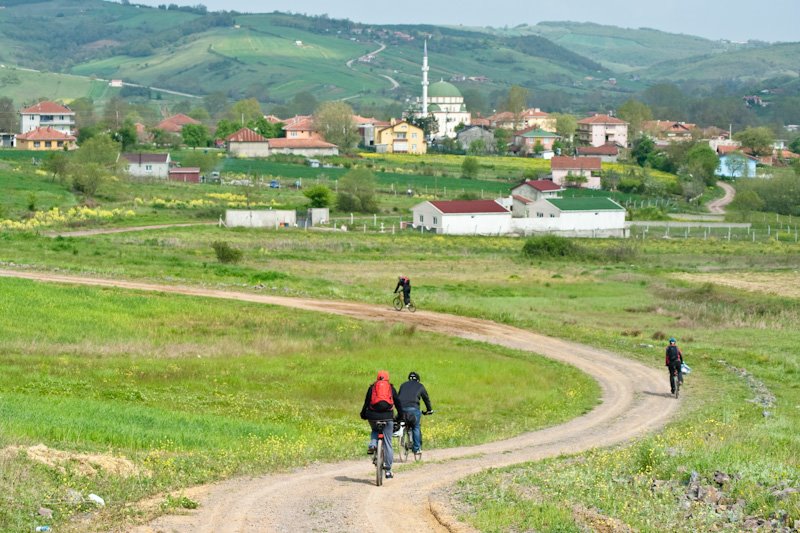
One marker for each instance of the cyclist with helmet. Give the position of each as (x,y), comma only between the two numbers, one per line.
(410,393)
(379,405)
(404,283)
(673,361)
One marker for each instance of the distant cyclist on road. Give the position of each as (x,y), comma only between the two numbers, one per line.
(379,404)
(673,360)
(410,393)
(404,283)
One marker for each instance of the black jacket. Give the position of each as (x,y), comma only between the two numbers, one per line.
(410,393)
(404,284)
(368,414)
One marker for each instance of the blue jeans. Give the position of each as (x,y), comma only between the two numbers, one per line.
(416,431)
(388,454)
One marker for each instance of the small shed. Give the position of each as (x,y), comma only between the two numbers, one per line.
(186,175)
(270,218)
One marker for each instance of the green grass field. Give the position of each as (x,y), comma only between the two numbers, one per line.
(624,300)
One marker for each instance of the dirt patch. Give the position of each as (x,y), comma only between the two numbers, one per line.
(85,464)
(781,283)
(596,521)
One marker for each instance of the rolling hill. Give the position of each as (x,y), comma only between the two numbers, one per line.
(273,56)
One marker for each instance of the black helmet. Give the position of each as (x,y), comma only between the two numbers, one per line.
(413,376)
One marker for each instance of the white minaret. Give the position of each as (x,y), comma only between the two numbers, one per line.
(425,81)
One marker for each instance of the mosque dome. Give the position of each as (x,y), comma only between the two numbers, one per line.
(443,89)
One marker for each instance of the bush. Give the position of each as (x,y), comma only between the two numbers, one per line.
(550,246)
(226,253)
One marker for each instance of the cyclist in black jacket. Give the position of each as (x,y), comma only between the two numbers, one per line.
(410,393)
(404,283)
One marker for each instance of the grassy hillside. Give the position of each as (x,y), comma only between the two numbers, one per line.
(781,59)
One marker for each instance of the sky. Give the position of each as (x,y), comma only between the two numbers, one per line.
(735,20)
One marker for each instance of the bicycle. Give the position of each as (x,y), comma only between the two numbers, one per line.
(378,458)
(677,379)
(398,304)
(407,441)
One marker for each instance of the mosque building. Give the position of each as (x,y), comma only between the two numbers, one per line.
(443,101)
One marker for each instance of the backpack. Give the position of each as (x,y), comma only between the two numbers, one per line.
(672,354)
(381,399)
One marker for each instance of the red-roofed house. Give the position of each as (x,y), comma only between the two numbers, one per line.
(48,115)
(528,192)
(603,129)
(175,123)
(148,165)
(608,153)
(304,147)
(247,143)
(563,168)
(300,127)
(462,217)
(529,118)
(668,131)
(45,138)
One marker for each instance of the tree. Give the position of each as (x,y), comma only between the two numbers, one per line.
(574,180)
(356,192)
(265,128)
(427,124)
(566,125)
(692,187)
(736,165)
(643,148)
(226,127)
(95,163)
(84,112)
(794,146)
(501,139)
(205,162)
(114,112)
(57,163)
(758,141)
(244,111)
(126,135)
(320,195)
(334,121)
(195,135)
(515,102)
(478,147)
(746,202)
(470,167)
(702,161)
(635,113)
(303,103)
(8,116)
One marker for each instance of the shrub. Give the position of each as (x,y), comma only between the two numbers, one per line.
(550,246)
(226,253)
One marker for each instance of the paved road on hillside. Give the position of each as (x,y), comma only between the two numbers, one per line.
(718,206)
(341,497)
(382,47)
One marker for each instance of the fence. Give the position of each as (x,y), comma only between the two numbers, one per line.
(719,231)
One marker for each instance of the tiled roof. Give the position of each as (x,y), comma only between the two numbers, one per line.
(599,203)
(606,149)
(272,119)
(542,185)
(47,108)
(139,158)
(468,206)
(575,163)
(175,123)
(45,134)
(522,199)
(601,119)
(185,170)
(245,135)
(723,149)
(281,142)
(481,122)
(300,123)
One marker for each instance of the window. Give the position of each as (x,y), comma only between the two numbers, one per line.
(552,215)
(37,144)
(60,144)
(540,215)
(414,135)
(421,219)
(48,144)
(413,146)
(435,220)
(148,168)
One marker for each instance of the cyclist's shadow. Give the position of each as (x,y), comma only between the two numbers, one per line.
(346,479)
(659,394)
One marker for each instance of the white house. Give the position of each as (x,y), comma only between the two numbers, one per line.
(528,192)
(462,217)
(47,114)
(574,217)
(144,165)
(603,129)
(247,143)
(304,147)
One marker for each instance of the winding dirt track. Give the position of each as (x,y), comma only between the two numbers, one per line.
(342,497)
(718,206)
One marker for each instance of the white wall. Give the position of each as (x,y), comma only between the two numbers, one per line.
(248,149)
(306,152)
(235,218)
(149,170)
(476,224)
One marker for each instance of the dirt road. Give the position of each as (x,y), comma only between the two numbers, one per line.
(718,206)
(342,497)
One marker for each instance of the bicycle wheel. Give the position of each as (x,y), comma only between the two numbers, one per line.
(677,387)
(405,444)
(398,304)
(412,307)
(379,463)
